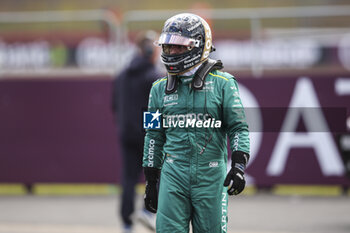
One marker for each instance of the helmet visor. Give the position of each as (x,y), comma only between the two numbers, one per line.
(170,49)
(176,40)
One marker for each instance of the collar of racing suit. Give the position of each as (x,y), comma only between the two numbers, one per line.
(187,77)
(191,72)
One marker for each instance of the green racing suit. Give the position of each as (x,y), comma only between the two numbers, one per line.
(192,155)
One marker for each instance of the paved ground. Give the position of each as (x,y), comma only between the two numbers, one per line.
(247,214)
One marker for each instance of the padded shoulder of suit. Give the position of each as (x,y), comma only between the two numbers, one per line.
(222,75)
(158,81)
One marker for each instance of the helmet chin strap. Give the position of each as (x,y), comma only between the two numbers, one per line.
(199,76)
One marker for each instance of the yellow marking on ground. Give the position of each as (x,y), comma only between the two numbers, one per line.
(111,189)
(250,190)
(12,189)
(140,188)
(75,189)
(308,190)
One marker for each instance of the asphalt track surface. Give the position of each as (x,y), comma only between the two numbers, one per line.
(260,213)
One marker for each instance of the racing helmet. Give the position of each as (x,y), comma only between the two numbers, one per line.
(187,30)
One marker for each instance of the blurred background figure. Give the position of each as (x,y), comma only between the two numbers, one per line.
(131,89)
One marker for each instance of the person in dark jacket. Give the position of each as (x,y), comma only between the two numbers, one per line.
(130,98)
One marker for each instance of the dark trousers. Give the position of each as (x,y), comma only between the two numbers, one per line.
(132,167)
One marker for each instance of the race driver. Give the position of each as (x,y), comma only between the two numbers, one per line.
(198,107)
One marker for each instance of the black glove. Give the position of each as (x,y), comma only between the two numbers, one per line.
(151,193)
(235,178)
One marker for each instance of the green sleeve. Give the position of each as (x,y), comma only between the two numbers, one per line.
(155,138)
(234,117)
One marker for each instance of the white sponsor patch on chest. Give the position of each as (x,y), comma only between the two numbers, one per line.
(172,97)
